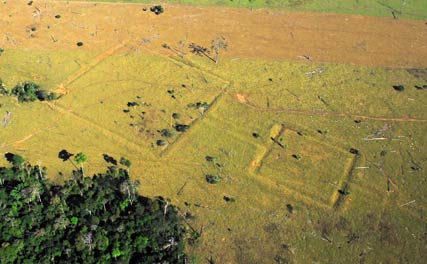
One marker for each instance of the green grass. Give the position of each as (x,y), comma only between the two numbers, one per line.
(413,9)
(263,177)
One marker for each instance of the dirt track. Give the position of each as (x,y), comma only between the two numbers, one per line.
(251,34)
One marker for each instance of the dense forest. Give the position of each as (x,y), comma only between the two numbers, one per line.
(98,219)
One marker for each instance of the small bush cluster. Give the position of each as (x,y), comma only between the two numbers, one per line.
(158,9)
(28,92)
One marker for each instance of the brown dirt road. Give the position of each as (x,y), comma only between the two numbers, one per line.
(265,34)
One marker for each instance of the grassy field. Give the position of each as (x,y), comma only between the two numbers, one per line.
(318,162)
(280,135)
(413,9)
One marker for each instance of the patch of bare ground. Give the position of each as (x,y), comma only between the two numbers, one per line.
(268,34)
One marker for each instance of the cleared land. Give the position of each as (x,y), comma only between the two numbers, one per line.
(261,34)
(301,196)
(415,9)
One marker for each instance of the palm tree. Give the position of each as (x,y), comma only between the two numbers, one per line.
(80,158)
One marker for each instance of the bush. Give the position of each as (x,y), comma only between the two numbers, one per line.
(158,9)
(99,219)
(26,92)
(213,179)
(181,127)
(29,92)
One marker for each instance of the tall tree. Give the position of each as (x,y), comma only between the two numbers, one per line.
(80,159)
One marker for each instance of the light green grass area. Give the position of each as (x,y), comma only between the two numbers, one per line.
(414,9)
(323,205)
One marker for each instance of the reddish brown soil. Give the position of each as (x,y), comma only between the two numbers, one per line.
(266,34)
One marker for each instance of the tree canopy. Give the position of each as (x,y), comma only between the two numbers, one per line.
(28,92)
(99,219)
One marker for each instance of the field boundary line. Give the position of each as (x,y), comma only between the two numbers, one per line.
(105,131)
(92,64)
(328,113)
(337,198)
(213,106)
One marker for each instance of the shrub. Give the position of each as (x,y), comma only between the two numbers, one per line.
(181,127)
(29,92)
(213,179)
(26,92)
(166,133)
(158,9)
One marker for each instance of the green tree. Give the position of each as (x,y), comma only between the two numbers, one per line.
(80,159)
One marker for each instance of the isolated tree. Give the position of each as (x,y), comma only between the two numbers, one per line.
(218,44)
(80,158)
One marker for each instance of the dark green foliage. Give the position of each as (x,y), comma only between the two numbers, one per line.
(158,9)
(354,151)
(29,92)
(166,133)
(14,159)
(176,116)
(181,127)
(210,158)
(199,105)
(99,219)
(1,51)
(213,179)
(399,88)
(80,158)
(229,199)
(161,143)
(125,162)
(132,104)
(290,208)
(323,132)
(52,96)
(344,191)
(26,92)
(42,95)
(297,156)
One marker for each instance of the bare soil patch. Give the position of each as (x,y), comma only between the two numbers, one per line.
(268,34)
